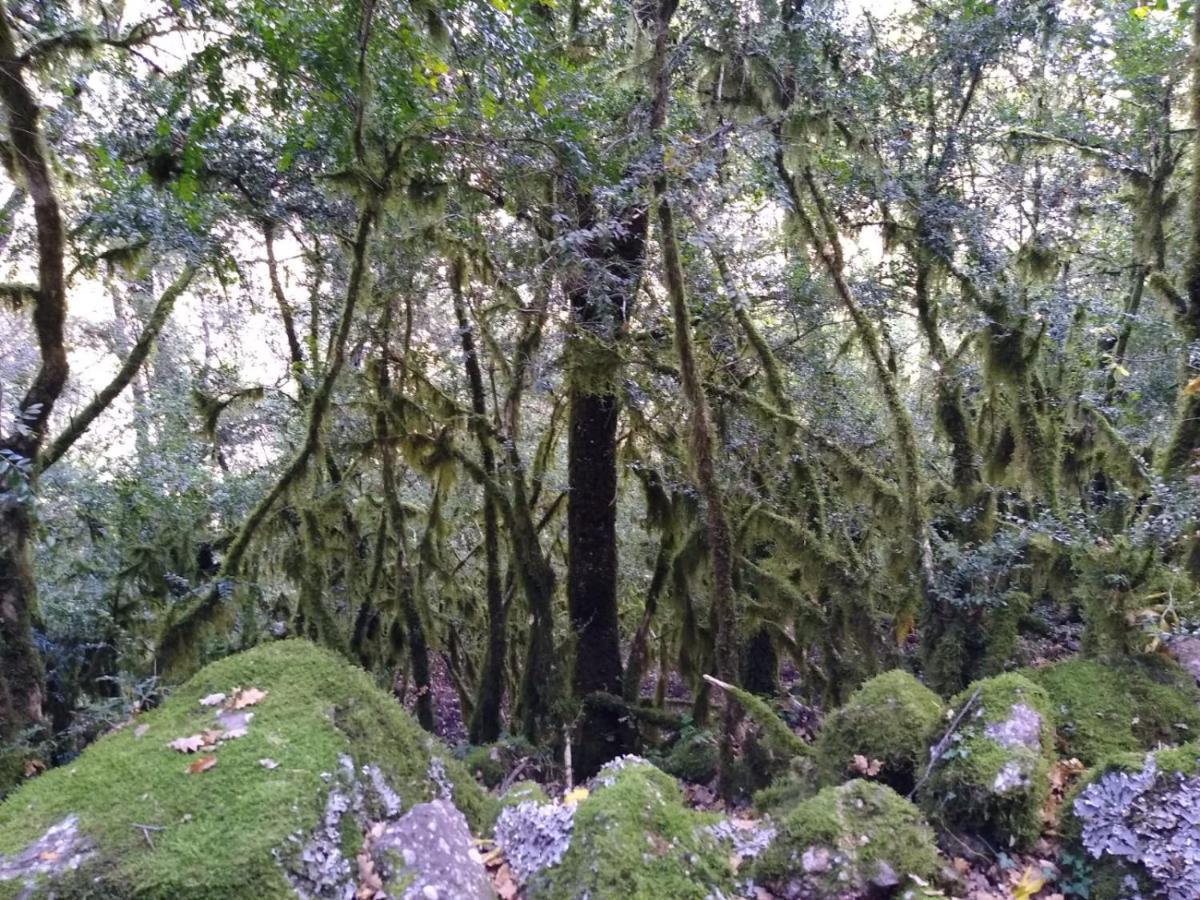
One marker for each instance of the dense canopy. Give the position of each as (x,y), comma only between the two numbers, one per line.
(544,357)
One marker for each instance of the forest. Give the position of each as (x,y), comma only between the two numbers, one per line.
(600,449)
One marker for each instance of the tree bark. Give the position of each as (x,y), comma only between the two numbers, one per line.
(22,677)
(485,724)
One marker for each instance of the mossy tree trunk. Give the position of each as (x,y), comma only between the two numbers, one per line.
(22,688)
(1180,455)
(485,723)
(700,424)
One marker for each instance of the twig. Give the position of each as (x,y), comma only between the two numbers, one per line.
(146,829)
(940,747)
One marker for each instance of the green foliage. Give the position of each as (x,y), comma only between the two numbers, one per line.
(850,838)
(889,720)
(1102,710)
(992,776)
(220,828)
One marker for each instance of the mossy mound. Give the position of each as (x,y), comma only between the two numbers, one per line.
(522,792)
(1101,710)
(888,719)
(693,757)
(860,838)
(788,790)
(236,830)
(1133,820)
(992,777)
(633,839)
(491,763)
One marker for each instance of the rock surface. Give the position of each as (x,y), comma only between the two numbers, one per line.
(426,855)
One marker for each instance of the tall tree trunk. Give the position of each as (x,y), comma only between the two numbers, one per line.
(22,677)
(485,724)
(600,295)
(700,426)
(1185,440)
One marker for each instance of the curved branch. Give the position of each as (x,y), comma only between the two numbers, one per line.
(145,342)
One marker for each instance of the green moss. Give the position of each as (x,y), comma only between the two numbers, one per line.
(993,777)
(635,840)
(693,757)
(888,719)
(486,763)
(1104,710)
(867,830)
(523,791)
(790,789)
(219,827)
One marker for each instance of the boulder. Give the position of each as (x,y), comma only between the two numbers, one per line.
(991,776)
(630,838)
(1136,819)
(888,720)
(273,802)
(1100,710)
(426,855)
(854,840)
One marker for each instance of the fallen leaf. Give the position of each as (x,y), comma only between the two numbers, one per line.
(863,766)
(211,736)
(231,733)
(203,764)
(1192,386)
(247,697)
(187,744)
(48,855)
(228,720)
(34,767)
(1030,882)
(268,764)
(571,798)
(505,884)
(212,700)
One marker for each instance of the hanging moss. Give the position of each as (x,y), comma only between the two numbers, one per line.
(888,719)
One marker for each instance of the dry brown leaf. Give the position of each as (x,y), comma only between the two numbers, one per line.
(232,733)
(187,744)
(34,767)
(211,736)
(203,764)
(863,766)
(212,700)
(48,855)
(505,884)
(247,697)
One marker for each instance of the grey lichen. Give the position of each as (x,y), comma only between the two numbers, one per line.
(1149,819)
(61,849)
(534,836)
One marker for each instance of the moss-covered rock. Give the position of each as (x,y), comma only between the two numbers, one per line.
(992,777)
(324,749)
(888,719)
(1102,710)
(491,763)
(633,839)
(860,838)
(1134,820)
(693,757)
(523,792)
(790,789)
